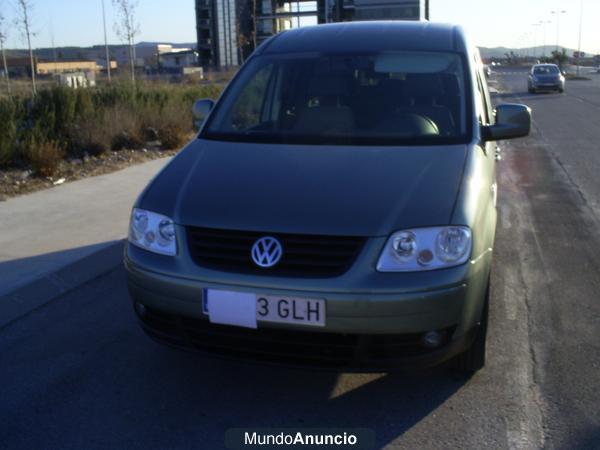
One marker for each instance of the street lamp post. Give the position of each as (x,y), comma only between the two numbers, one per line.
(525,38)
(544,23)
(535,25)
(558,12)
(106,43)
(579,44)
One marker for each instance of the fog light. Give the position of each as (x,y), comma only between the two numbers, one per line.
(432,339)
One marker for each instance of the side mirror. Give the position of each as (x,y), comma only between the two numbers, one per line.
(200,111)
(512,121)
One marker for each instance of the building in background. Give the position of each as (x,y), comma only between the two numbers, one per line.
(381,10)
(68,59)
(178,60)
(20,66)
(62,66)
(229,30)
(76,80)
(218,32)
(148,54)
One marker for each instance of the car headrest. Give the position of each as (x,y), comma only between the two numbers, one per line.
(424,85)
(325,119)
(330,85)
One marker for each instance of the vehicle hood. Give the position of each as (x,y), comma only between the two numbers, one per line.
(336,190)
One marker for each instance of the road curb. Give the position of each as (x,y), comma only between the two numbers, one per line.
(41,291)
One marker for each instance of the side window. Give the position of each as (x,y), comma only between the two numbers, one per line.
(488,101)
(482,104)
(247,111)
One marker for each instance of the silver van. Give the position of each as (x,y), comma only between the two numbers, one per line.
(337,209)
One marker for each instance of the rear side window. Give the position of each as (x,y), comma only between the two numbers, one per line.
(385,98)
(485,111)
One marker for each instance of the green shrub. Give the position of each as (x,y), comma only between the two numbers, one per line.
(54,111)
(94,120)
(8,131)
(88,135)
(126,141)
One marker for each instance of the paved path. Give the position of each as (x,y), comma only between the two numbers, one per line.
(48,230)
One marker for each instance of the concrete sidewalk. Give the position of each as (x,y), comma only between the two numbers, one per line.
(53,240)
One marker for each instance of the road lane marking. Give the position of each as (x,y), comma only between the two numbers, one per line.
(505,217)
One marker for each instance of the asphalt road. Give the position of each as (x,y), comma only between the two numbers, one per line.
(79,373)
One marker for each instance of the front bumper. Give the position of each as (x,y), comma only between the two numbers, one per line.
(348,352)
(377,326)
(550,86)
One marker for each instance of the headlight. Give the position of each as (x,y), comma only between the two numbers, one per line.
(152,232)
(426,249)
(404,245)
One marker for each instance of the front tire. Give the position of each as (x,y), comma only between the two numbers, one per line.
(473,359)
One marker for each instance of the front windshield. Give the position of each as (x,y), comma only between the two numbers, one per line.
(386,98)
(545,70)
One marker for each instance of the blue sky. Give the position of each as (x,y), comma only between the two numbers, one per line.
(490,22)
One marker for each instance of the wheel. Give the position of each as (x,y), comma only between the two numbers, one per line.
(561,91)
(531,91)
(473,359)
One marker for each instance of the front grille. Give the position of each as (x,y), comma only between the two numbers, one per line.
(303,255)
(353,351)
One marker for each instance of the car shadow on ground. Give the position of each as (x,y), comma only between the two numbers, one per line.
(18,272)
(263,396)
(93,379)
(542,95)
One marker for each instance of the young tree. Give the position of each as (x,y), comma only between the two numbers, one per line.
(24,9)
(106,42)
(127,28)
(241,28)
(511,57)
(254,24)
(560,57)
(2,41)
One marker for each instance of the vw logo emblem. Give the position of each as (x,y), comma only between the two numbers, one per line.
(266,252)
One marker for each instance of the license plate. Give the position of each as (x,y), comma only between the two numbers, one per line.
(290,310)
(300,311)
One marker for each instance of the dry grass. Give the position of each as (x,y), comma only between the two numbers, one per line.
(113,128)
(62,121)
(172,136)
(219,76)
(172,122)
(44,157)
(89,136)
